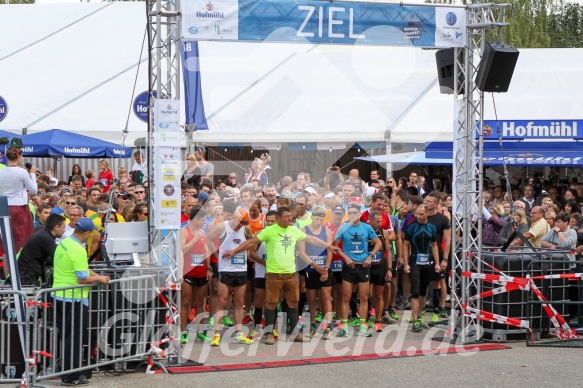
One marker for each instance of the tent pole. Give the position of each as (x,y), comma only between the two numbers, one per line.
(388,166)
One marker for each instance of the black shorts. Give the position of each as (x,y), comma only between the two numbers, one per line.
(313,280)
(337,277)
(233,279)
(215,268)
(259,283)
(356,275)
(378,273)
(250,271)
(302,272)
(438,275)
(195,282)
(420,277)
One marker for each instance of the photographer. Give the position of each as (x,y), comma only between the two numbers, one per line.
(333,178)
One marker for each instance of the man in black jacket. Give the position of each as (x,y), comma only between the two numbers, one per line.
(37,253)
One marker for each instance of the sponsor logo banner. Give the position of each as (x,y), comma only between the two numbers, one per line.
(324,22)
(532,129)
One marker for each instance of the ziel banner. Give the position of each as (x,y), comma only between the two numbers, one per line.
(167,164)
(324,22)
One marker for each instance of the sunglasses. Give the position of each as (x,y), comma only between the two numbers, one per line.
(70,203)
(318,214)
(139,192)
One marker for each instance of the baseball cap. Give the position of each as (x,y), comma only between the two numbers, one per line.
(85,225)
(328,195)
(338,209)
(203,196)
(310,190)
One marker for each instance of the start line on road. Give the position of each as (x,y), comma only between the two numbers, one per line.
(330,360)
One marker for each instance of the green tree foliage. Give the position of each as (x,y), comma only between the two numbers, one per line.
(538,23)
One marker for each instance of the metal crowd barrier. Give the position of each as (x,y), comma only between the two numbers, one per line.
(556,290)
(13,363)
(123,320)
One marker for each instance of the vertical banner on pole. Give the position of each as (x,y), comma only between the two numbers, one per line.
(167,164)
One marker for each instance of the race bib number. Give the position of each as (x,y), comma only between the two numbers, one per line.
(104,182)
(319,260)
(196,260)
(337,266)
(264,257)
(422,259)
(356,247)
(378,257)
(239,260)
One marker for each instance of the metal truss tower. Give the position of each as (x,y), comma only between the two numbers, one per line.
(163,82)
(467,169)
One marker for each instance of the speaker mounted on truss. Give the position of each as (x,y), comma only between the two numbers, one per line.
(496,67)
(445,60)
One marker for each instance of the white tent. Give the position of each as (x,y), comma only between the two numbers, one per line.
(73,66)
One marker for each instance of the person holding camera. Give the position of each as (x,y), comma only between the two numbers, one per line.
(333,178)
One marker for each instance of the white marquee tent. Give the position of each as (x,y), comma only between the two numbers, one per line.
(73,66)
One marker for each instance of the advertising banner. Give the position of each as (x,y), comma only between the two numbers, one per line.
(167,164)
(324,22)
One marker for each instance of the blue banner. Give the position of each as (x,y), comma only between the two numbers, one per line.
(532,129)
(194,107)
(324,22)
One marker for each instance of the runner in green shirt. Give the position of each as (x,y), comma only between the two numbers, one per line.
(280,241)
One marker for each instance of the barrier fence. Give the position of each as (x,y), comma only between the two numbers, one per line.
(563,316)
(117,324)
(13,363)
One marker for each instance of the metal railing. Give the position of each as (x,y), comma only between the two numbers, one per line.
(14,364)
(117,324)
(570,327)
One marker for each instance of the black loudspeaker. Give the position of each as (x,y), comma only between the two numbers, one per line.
(445,59)
(496,67)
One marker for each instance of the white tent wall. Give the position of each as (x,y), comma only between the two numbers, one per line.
(73,66)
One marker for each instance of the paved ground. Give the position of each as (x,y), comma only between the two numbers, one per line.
(517,365)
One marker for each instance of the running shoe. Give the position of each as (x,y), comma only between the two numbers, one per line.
(354,322)
(247,320)
(254,334)
(191,315)
(262,323)
(416,327)
(228,322)
(318,317)
(275,334)
(411,319)
(406,306)
(216,340)
(378,327)
(424,312)
(372,312)
(443,313)
(269,340)
(211,322)
(314,332)
(343,333)
(434,318)
(240,338)
(387,318)
(327,334)
(202,337)
(393,313)
(363,332)
(184,337)
(422,323)
(338,326)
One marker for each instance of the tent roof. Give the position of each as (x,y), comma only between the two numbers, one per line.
(73,66)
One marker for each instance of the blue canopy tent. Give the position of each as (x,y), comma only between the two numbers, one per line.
(59,143)
(515,153)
